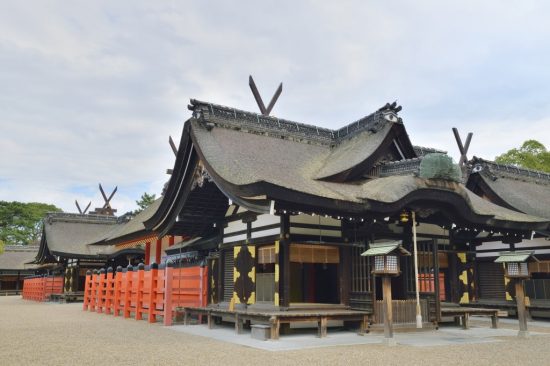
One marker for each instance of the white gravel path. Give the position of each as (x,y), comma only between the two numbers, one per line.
(62,334)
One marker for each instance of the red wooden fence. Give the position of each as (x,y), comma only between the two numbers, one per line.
(39,288)
(145,291)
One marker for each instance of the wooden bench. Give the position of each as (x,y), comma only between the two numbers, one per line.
(10,292)
(464,314)
(275,318)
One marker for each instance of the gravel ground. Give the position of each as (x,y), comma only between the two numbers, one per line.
(62,334)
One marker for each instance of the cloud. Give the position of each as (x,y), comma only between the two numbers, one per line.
(90,91)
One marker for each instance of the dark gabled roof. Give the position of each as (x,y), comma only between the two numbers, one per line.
(523,190)
(255,160)
(16,257)
(67,235)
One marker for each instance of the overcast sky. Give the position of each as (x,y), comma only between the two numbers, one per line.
(91,90)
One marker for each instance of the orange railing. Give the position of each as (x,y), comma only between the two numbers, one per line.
(152,291)
(39,288)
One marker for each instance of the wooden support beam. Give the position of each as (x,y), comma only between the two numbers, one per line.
(522,314)
(388,311)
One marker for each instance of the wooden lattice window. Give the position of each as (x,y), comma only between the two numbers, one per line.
(360,271)
(311,253)
(266,254)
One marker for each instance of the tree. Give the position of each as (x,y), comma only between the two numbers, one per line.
(144,202)
(531,155)
(21,223)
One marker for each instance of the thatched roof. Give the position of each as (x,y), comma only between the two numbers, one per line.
(523,190)
(16,257)
(67,235)
(257,161)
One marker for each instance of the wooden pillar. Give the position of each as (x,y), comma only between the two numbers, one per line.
(388,312)
(158,250)
(522,314)
(147,253)
(168,282)
(453,277)
(436,282)
(345,275)
(284,262)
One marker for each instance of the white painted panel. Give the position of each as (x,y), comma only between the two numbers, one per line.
(235,238)
(259,234)
(314,220)
(315,232)
(266,219)
(493,245)
(488,254)
(234,226)
(538,242)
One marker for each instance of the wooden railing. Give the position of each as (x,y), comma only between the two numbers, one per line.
(404,311)
(39,288)
(153,291)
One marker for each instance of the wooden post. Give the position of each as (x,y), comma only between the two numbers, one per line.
(87,290)
(117,289)
(388,312)
(140,286)
(168,274)
(128,293)
(109,282)
(436,282)
(101,291)
(284,262)
(93,295)
(522,314)
(153,293)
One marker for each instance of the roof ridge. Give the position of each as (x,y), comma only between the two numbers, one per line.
(81,218)
(513,170)
(282,127)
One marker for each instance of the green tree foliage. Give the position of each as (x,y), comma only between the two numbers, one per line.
(531,155)
(21,223)
(144,202)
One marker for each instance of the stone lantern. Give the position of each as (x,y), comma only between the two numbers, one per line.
(386,264)
(516,266)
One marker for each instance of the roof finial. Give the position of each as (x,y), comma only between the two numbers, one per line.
(80,210)
(263,110)
(463,151)
(106,209)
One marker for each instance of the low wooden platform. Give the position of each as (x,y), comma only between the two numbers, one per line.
(10,292)
(535,308)
(68,297)
(464,313)
(275,318)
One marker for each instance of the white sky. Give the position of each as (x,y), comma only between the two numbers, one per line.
(91,90)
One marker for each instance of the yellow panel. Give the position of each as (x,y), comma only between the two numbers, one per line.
(276,298)
(506,282)
(236,251)
(465,299)
(461,257)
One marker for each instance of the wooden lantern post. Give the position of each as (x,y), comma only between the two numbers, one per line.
(517,269)
(386,264)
